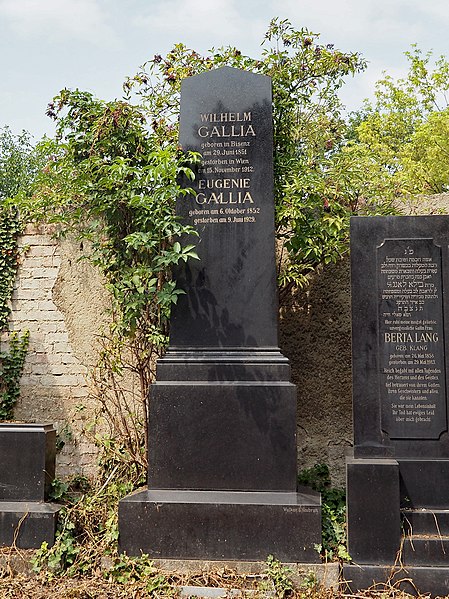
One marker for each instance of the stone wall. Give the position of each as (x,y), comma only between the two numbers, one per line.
(59,299)
(315,334)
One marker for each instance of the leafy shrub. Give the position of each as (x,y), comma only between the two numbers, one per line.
(333,511)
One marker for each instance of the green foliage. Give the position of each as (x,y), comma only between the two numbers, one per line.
(88,522)
(334,524)
(87,529)
(113,184)
(12,358)
(312,207)
(19,163)
(132,569)
(311,183)
(59,489)
(10,228)
(309,585)
(11,367)
(279,575)
(63,435)
(317,477)
(405,131)
(333,511)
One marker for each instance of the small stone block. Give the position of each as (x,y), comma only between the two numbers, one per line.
(374,525)
(28,461)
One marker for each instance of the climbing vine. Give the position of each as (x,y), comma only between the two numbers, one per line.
(11,367)
(112,184)
(10,229)
(12,358)
(19,163)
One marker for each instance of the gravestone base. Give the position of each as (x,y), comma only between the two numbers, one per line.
(373,515)
(223,435)
(424,483)
(230,525)
(383,497)
(415,580)
(27,524)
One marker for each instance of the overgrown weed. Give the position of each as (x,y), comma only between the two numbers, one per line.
(87,527)
(333,511)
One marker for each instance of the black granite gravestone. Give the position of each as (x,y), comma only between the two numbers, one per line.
(399,474)
(26,471)
(222,457)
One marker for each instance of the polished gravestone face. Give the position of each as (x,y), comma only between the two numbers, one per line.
(411,341)
(230,296)
(399,273)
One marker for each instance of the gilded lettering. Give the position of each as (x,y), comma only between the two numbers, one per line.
(227,131)
(228,197)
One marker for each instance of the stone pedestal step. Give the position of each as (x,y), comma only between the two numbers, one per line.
(425,521)
(425,550)
(411,579)
(27,524)
(221,524)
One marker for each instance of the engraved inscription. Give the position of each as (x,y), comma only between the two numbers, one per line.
(411,348)
(223,188)
(301,510)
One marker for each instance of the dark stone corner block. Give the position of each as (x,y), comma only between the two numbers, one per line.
(27,466)
(27,469)
(28,524)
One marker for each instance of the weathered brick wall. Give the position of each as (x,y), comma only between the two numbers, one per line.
(61,301)
(54,386)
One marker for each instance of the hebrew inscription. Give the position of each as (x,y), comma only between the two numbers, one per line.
(411,345)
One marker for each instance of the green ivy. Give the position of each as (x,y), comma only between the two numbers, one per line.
(280,577)
(87,528)
(333,511)
(10,229)
(19,163)
(12,359)
(11,367)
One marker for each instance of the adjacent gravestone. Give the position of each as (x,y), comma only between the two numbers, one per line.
(400,470)
(26,472)
(222,457)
